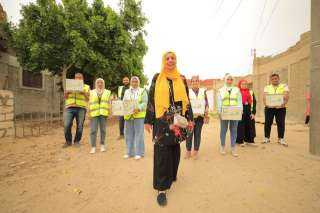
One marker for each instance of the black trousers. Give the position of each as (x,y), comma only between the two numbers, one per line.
(121,125)
(196,135)
(165,165)
(280,115)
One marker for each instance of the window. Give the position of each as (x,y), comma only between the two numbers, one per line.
(30,79)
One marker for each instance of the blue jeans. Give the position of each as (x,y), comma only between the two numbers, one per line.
(95,123)
(71,113)
(233,125)
(134,136)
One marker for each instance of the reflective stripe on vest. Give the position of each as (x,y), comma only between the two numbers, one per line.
(99,108)
(201,96)
(229,99)
(120,91)
(77,99)
(279,90)
(141,114)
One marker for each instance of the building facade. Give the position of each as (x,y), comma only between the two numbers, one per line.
(293,66)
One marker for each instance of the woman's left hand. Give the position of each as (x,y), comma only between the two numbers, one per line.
(252,116)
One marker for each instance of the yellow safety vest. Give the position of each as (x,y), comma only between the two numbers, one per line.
(279,90)
(97,107)
(201,96)
(76,99)
(141,114)
(230,99)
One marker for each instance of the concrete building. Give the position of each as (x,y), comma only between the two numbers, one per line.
(293,66)
(32,92)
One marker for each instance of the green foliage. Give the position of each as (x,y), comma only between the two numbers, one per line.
(76,36)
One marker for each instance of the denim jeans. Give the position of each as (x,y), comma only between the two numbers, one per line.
(95,123)
(134,136)
(233,125)
(196,135)
(121,125)
(79,114)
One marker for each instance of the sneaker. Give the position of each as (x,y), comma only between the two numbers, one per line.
(243,145)
(76,144)
(102,148)
(126,156)
(162,199)
(222,150)
(93,150)
(137,157)
(66,145)
(282,142)
(234,154)
(266,140)
(188,155)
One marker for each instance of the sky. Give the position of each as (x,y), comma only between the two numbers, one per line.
(213,37)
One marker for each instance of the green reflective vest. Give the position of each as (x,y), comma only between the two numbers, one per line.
(141,114)
(272,90)
(230,97)
(99,107)
(76,99)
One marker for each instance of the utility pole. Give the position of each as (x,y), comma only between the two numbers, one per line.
(315,78)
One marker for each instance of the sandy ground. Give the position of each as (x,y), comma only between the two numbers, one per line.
(36,175)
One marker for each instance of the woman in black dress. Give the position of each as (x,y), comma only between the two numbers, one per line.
(246,127)
(168,99)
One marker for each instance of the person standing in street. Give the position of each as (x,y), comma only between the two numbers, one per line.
(134,123)
(121,91)
(168,98)
(246,127)
(76,106)
(228,96)
(200,107)
(98,111)
(278,112)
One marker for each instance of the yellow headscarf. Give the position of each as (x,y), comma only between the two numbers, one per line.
(162,89)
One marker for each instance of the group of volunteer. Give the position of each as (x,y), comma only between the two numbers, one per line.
(173,113)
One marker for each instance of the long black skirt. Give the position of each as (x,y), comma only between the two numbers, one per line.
(246,128)
(166,158)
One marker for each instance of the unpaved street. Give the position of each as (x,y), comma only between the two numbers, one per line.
(36,175)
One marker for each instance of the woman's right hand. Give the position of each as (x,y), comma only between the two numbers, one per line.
(148,127)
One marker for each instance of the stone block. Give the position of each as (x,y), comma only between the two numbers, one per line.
(9,116)
(6,109)
(6,124)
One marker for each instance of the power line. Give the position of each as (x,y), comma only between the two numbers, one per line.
(219,5)
(230,18)
(260,22)
(270,17)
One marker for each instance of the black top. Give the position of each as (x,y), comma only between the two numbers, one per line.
(150,114)
(125,87)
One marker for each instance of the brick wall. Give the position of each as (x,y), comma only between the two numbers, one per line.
(6,114)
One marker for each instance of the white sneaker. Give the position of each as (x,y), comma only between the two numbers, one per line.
(126,156)
(234,154)
(102,148)
(243,145)
(93,150)
(137,157)
(222,150)
(266,140)
(282,142)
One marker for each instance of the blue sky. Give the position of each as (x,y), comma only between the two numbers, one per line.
(207,40)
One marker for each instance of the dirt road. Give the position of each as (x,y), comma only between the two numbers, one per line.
(36,175)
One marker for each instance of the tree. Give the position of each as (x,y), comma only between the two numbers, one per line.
(75,36)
